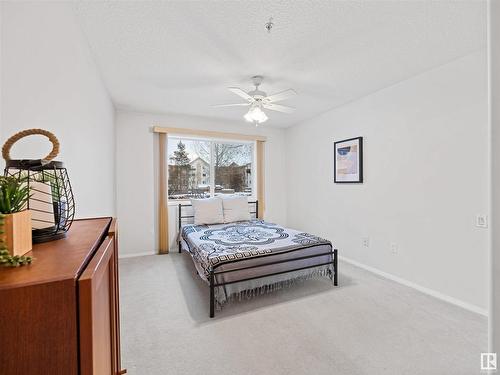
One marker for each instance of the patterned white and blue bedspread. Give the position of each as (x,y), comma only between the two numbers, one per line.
(216,245)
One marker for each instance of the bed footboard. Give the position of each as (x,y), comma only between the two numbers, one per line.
(213,284)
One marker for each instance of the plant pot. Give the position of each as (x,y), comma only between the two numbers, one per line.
(17,232)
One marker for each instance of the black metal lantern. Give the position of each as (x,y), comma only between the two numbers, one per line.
(51,199)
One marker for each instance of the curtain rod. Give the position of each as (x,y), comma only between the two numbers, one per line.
(209,133)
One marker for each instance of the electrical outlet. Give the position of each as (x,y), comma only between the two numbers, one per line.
(366,241)
(481,221)
(394,248)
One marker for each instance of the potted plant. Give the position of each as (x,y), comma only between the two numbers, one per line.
(6,259)
(14,195)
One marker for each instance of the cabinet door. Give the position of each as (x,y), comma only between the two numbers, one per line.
(97,313)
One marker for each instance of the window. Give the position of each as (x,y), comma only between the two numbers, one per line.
(200,168)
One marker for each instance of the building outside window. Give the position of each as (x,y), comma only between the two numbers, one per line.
(200,168)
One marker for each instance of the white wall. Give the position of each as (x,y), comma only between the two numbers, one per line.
(137,167)
(426,177)
(49,80)
(494,46)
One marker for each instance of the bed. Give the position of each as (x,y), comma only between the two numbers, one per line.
(248,258)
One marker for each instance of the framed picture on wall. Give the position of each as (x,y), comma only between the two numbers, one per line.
(348,161)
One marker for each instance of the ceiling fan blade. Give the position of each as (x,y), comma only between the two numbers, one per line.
(241,93)
(278,107)
(231,105)
(282,95)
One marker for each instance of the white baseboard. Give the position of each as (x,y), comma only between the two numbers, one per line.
(420,288)
(133,255)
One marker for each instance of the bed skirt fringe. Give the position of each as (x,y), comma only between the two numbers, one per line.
(224,294)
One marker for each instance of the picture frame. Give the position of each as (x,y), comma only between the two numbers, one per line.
(348,161)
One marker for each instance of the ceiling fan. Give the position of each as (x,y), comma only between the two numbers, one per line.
(258,100)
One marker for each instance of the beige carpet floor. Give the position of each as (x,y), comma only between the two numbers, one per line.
(367,325)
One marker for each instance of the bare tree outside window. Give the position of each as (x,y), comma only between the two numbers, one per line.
(232,166)
(188,175)
(190,168)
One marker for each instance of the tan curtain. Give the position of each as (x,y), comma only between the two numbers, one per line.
(163,194)
(261,178)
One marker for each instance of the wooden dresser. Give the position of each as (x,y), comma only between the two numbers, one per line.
(60,315)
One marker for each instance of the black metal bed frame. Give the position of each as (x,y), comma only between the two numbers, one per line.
(214,272)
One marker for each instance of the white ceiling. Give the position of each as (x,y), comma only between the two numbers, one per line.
(179,56)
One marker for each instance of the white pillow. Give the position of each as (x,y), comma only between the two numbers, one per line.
(208,211)
(235,208)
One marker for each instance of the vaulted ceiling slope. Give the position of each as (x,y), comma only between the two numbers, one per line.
(180,56)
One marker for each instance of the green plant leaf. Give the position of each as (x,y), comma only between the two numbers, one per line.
(14,194)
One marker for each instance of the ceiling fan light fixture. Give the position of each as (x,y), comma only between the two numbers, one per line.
(255,114)
(259,100)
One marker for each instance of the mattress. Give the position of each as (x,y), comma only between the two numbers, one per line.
(252,250)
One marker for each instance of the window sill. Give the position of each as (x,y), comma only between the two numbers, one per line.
(177,202)
(187,201)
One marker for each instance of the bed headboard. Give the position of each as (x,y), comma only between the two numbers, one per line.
(182,208)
